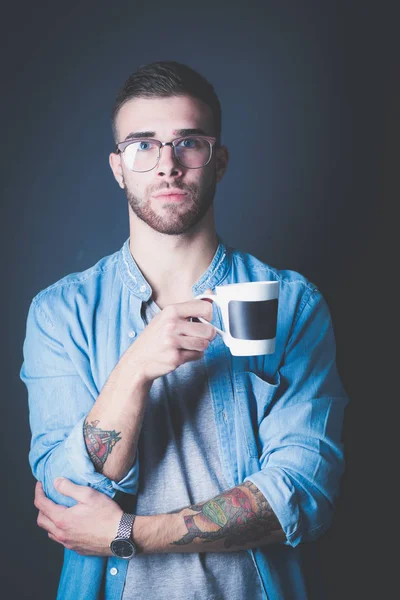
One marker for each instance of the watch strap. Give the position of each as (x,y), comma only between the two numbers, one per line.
(125,526)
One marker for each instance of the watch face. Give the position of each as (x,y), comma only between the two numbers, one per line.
(123,548)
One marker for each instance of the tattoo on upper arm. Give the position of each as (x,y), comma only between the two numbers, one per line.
(239,516)
(99,443)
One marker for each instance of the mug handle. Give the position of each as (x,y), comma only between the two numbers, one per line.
(214,299)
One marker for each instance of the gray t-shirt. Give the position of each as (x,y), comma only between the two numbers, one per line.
(180,466)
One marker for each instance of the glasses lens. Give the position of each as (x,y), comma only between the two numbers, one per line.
(141,155)
(193,152)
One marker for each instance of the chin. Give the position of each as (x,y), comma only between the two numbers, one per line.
(172,227)
(171,219)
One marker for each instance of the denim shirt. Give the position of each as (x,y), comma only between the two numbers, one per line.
(279,417)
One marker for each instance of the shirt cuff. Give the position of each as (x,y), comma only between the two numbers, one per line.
(77,454)
(280,493)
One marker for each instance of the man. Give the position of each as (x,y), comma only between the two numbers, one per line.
(230,464)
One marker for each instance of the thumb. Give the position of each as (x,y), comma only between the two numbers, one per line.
(67,488)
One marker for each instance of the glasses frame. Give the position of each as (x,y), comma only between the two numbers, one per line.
(121,147)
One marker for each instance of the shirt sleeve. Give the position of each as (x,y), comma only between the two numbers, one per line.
(60,395)
(302,459)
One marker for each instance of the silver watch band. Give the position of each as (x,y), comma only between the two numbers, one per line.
(125,526)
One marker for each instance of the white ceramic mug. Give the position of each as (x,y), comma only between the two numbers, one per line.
(249,314)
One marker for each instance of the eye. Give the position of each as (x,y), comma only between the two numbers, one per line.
(189,143)
(145,146)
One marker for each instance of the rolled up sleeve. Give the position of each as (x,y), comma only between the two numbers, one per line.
(302,457)
(61,393)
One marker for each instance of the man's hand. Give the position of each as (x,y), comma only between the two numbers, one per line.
(171,339)
(88,527)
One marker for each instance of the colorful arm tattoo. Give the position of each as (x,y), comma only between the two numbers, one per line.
(237,516)
(99,443)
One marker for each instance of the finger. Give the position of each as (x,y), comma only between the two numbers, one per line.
(194,308)
(191,355)
(211,293)
(45,523)
(45,505)
(80,493)
(187,342)
(194,329)
(39,493)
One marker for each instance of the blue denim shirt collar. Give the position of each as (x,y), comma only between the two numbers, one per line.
(137,283)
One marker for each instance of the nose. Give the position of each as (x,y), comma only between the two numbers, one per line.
(168,164)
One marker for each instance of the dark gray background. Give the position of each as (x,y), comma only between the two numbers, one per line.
(310,101)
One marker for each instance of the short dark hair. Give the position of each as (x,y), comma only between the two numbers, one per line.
(166,78)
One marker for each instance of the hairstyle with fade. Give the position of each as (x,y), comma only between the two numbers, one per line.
(167,78)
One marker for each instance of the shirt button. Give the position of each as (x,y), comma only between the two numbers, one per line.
(224,416)
(143,288)
(131,334)
(113,571)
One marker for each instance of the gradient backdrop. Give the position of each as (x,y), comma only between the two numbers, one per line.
(310,106)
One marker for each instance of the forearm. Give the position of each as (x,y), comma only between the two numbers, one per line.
(237,519)
(113,425)
(111,429)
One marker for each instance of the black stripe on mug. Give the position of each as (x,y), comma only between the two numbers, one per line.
(253,319)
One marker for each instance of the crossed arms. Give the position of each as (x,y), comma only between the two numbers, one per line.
(108,434)
(237,518)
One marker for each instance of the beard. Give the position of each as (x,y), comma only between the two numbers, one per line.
(173,220)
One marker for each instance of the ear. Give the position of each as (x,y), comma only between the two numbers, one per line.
(116,167)
(222,159)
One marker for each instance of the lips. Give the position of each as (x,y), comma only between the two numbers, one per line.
(171,195)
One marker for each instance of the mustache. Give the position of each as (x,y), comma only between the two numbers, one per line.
(175,186)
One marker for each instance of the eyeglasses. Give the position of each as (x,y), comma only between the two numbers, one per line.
(141,155)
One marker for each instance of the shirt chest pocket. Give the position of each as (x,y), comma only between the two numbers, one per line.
(253,399)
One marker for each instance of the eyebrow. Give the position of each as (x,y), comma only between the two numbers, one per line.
(151,134)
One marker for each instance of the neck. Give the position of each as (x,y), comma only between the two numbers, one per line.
(173,263)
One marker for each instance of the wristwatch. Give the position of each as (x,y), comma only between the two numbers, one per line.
(122,545)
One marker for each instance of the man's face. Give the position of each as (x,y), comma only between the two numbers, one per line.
(164,119)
